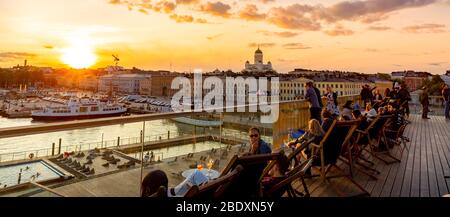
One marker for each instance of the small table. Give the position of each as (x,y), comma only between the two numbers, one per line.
(211,174)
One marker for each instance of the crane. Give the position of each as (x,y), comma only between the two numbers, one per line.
(116,59)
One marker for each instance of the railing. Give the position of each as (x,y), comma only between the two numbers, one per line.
(293,115)
(47,152)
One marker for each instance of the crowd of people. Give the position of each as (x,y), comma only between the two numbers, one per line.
(393,103)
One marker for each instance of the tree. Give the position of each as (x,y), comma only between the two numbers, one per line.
(434,85)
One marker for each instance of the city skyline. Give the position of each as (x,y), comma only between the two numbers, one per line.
(181,35)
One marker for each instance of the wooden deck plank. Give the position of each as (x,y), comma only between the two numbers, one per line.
(414,190)
(424,190)
(432,181)
(414,135)
(439,166)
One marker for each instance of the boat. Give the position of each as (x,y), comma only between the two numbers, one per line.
(198,122)
(84,108)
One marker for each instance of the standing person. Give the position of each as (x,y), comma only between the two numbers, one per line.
(257,145)
(403,95)
(364,95)
(331,100)
(425,103)
(319,97)
(446,96)
(314,106)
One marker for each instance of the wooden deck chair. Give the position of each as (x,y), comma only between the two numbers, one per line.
(360,144)
(247,184)
(377,140)
(282,185)
(330,148)
(215,188)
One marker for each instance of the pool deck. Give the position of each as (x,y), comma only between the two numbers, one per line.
(126,183)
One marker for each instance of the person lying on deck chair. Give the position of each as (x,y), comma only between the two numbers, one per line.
(314,134)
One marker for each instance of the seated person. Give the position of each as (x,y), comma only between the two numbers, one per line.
(257,145)
(152,183)
(346,113)
(370,112)
(314,134)
(276,174)
(196,178)
(328,119)
(157,178)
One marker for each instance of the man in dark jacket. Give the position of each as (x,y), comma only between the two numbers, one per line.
(446,97)
(404,97)
(319,97)
(425,103)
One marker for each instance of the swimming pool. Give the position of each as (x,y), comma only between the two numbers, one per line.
(30,171)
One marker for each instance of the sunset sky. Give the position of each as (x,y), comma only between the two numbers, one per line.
(364,36)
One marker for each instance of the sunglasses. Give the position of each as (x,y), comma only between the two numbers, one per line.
(254,135)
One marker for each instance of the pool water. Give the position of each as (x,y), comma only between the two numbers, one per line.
(34,171)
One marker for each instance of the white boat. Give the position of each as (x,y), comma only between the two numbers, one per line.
(198,122)
(84,108)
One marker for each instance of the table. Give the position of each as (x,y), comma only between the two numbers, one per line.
(211,174)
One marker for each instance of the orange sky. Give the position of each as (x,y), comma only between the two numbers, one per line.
(365,36)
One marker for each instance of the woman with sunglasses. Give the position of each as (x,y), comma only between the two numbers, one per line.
(257,145)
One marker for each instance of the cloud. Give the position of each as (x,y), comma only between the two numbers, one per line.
(339,30)
(48,46)
(250,12)
(373,50)
(164,6)
(187,2)
(261,44)
(285,34)
(379,28)
(306,17)
(372,10)
(213,37)
(295,46)
(216,9)
(187,19)
(266,1)
(437,64)
(425,28)
(7,56)
(311,18)
(294,17)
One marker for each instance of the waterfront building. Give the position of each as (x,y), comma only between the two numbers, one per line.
(122,83)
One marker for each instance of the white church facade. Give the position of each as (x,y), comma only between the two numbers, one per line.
(259,65)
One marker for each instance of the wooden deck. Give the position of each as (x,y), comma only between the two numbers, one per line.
(424,170)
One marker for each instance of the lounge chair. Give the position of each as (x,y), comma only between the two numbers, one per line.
(215,188)
(248,183)
(327,152)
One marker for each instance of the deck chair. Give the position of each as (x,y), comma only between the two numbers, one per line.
(331,147)
(377,134)
(247,184)
(215,188)
(283,185)
(399,139)
(360,144)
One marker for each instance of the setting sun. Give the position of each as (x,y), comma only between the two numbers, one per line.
(79,57)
